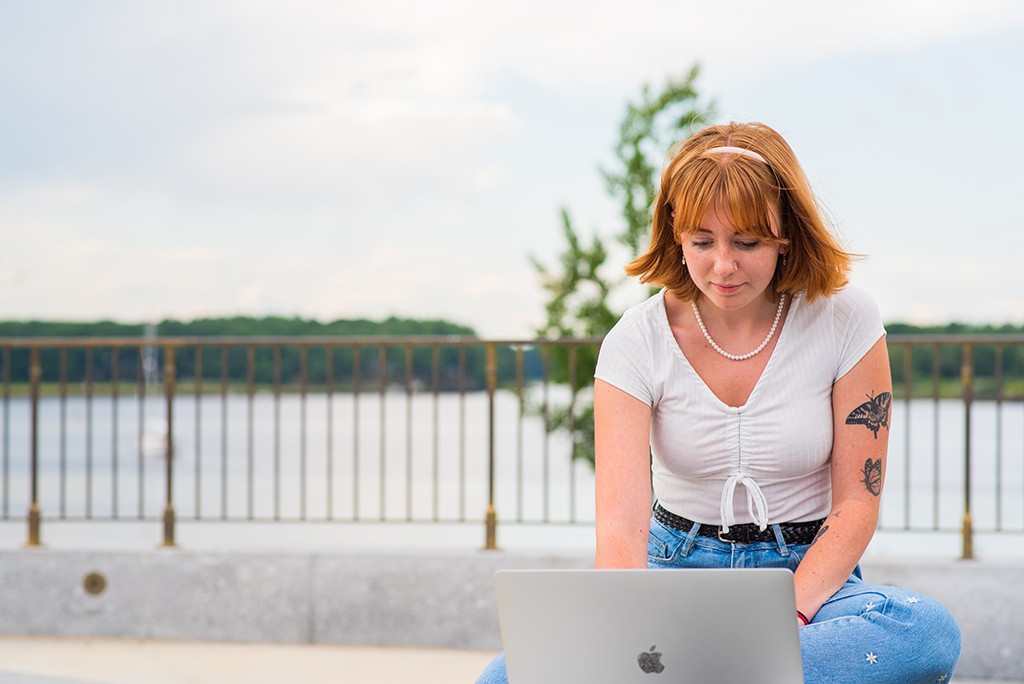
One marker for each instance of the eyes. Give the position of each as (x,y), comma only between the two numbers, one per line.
(745,245)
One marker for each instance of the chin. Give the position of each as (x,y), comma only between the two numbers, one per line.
(730,302)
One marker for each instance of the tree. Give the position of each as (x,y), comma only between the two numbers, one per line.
(579,289)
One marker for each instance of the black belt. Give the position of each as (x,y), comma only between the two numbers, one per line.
(746,533)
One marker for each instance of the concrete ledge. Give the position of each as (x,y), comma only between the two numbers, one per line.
(158,594)
(415,600)
(987,600)
(412,599)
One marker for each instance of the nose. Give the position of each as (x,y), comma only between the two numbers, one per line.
(725,261)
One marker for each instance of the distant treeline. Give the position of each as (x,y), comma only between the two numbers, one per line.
(986,358)
(238,326)
(284,365)
(448,367)
(953,329)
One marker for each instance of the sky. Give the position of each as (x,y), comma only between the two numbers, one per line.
(343,159)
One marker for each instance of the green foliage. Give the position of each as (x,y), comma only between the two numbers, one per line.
(926,370)
(954,328)
(69,329)
(578,288)
(237,326)
(578,303)
(372,366)
(646,134)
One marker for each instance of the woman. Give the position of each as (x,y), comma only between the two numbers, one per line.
(753,394)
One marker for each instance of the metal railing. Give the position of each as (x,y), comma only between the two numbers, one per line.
(990,374)
(423,429)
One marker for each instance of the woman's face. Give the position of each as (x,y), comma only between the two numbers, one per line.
(732,270)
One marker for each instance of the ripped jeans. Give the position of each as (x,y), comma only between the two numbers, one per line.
(864,634)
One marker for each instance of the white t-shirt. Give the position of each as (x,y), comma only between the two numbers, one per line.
(776,448)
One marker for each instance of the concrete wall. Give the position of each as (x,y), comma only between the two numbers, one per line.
(437,599)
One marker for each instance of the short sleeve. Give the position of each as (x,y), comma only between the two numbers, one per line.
(624,360)
(858,326)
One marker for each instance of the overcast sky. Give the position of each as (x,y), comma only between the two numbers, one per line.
(342,159)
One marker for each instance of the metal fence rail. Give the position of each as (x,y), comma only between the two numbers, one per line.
(424,429)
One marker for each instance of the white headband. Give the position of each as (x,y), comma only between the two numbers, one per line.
(737,150)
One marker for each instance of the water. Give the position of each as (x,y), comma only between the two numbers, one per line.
(420,459)
(926,467)
(419,464)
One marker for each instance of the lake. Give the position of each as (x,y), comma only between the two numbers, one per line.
(422,458)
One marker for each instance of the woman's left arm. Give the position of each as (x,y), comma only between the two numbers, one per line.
(861,403)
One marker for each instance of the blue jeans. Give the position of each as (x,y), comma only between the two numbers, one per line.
(864,634)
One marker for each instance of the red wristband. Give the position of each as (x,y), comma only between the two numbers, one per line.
(802,618)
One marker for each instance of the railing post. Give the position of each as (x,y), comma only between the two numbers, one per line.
(169,380)
(492,383)
(967,381)
(34,515)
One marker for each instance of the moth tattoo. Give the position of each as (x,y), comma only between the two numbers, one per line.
(873,476)
(873,413)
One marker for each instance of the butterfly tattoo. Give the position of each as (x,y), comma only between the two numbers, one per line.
(873,413)
(873,476)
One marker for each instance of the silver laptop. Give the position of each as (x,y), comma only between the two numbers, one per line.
(648,626)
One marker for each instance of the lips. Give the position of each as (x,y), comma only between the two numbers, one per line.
(726,289)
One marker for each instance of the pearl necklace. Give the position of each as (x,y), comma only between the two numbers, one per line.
(735,357)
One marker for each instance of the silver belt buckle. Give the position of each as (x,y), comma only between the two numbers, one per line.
(723,539)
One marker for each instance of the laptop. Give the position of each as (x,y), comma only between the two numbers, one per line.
(693,626)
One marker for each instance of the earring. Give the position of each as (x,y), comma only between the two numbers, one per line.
(682,260)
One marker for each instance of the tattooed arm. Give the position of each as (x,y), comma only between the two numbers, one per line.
(861,402)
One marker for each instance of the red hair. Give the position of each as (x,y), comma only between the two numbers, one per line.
(752,190)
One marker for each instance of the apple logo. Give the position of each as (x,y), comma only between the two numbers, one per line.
(650,661)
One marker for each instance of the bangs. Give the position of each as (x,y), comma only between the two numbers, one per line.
(756,193)
(743,188)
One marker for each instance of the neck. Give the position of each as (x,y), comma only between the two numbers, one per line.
(751,317)
(739,336)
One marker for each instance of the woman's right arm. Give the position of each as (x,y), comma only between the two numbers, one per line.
(622,433)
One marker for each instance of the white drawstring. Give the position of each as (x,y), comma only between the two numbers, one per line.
(755,498)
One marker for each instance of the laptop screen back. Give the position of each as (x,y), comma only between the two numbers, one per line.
(620,626)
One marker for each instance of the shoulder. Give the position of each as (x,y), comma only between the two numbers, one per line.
(849,303)
(640,319)
(854,308)
(856,325)
(854,297)
(629,353)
